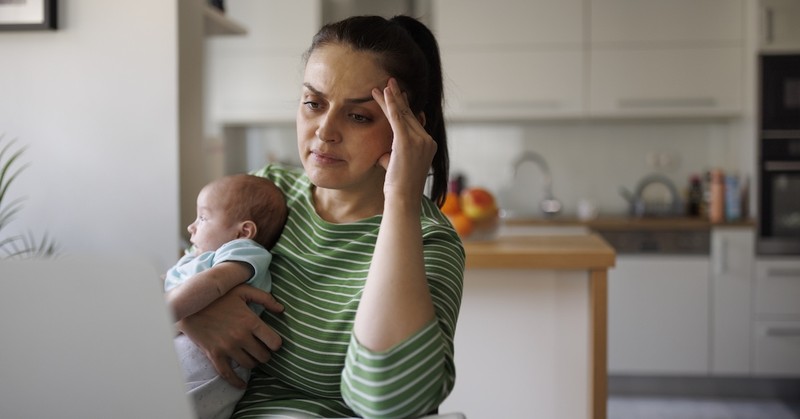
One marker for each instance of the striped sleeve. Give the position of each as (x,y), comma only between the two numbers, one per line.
(414,377)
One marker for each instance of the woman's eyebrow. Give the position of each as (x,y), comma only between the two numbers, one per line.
(351,100)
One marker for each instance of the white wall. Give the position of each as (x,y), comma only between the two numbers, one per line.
(96,103)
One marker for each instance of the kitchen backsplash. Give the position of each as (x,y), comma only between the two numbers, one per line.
(588,160)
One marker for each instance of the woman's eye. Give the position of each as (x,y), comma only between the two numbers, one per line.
(311,105)
(359,118)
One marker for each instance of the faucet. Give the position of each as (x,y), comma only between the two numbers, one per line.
(549,205)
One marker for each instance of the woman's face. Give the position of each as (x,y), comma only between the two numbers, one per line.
(341,130)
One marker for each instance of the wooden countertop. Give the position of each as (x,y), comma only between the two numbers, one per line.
(573,252)
(631,223)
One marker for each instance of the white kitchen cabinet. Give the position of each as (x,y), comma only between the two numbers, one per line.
(777,348)
(658,316)
(677,22)
(732,269)
(511,59)
(513,84)
(651,58)
(780,26)
(776,336)
(666,82)
(535,326)
(777,287)
(478,24)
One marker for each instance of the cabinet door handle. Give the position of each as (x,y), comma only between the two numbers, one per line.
(721,257)
(783,332)
(549,104)
(792,273)
(665,102)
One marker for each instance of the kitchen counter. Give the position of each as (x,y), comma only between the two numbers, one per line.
(582,252)
(630,223)
(536,305)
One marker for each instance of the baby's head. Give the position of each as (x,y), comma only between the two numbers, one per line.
(238,206)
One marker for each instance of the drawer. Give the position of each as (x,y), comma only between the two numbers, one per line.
(777,348)
(777,288)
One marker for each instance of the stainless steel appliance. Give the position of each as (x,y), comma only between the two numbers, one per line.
(779,157)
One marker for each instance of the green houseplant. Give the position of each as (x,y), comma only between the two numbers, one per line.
(17,246)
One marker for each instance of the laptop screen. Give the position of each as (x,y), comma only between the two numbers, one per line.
(87,337)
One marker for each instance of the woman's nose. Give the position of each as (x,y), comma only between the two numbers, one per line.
(326,131)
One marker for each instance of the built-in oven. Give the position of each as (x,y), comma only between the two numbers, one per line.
(779,156)
(779,213)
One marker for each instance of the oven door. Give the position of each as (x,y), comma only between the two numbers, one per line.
(779,216)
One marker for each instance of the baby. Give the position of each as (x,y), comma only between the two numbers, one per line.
(239,218)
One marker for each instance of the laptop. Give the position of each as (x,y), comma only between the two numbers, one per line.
(87,337)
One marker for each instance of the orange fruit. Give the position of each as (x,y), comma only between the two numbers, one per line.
(461,223)
(451,204)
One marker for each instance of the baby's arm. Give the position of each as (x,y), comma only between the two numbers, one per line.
(205,287)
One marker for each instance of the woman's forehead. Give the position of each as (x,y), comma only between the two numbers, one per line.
(341,71)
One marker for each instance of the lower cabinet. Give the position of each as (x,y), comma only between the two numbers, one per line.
(732,259)
(658,320)
(777,317)
(727,314)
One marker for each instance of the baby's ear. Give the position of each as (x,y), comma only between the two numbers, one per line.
(247,230)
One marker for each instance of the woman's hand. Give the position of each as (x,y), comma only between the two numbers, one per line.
(229,330)
(408,163)
(396,300)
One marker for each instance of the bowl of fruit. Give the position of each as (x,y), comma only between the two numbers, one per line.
(473,213)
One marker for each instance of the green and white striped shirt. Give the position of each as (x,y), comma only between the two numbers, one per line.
(318,271)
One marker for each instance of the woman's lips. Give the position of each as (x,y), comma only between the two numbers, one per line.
(325,158)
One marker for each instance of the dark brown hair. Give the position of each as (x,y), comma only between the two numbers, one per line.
(257,199)
(407,51)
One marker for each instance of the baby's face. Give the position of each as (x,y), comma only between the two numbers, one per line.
(213,226)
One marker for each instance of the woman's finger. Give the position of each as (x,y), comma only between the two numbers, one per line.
(223,367)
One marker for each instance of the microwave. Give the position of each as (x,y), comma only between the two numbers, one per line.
(780,93)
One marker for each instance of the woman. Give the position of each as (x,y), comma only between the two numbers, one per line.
(368,271)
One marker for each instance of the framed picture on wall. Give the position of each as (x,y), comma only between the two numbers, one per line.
(20,15)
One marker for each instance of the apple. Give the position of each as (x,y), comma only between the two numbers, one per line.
(478,204)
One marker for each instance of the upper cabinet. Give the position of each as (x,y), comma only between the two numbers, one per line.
(665,23)
(472,24)
(511,59)
(677,58)
(780,26)
(591,58)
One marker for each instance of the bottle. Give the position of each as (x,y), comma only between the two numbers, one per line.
(733,210)
(695,196)
(705,186)
(716,203)
(744,199)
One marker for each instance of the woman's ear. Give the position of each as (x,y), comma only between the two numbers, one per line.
(247,230)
